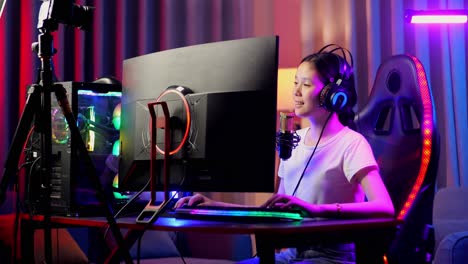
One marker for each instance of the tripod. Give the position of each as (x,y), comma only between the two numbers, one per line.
(38,105)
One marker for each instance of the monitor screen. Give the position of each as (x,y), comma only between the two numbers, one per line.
(229,92)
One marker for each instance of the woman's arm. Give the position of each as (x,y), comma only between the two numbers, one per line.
(378,201)
(201,200)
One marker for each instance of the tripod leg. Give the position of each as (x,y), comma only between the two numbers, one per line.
(21,133)
(61,95)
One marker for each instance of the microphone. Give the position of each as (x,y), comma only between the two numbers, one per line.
(286,138)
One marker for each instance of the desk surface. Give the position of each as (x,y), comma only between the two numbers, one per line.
(268,235)
(173,224)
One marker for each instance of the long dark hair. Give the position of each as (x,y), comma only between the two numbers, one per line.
(331,67)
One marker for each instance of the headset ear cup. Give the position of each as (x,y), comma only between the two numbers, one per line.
(334,98)
(339,100)
(323,96)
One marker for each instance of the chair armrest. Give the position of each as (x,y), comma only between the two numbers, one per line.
(453,249)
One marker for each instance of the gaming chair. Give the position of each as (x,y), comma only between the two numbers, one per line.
(400,124)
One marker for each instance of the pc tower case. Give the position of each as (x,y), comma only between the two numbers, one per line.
(96,108)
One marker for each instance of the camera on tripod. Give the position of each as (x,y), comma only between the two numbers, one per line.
(53,12)
(38,109)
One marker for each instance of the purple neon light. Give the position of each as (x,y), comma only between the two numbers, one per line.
(454,16)
(439,19)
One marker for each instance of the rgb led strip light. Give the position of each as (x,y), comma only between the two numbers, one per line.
(427,130)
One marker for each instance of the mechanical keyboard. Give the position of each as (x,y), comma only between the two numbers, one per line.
(235,214)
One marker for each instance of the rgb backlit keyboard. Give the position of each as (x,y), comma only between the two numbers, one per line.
(254,214)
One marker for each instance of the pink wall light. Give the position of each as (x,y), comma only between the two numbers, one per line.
(451,16)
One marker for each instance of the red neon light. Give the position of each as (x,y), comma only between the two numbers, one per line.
(427,128)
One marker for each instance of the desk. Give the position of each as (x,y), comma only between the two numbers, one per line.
(371,236)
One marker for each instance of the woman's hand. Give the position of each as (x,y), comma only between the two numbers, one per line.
(196,199)
(284,201)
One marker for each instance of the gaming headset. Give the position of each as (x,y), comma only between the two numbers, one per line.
(334,96)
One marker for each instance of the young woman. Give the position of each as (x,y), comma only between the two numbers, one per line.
(332,172)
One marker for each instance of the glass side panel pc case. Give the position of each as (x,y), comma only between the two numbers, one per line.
(97,109)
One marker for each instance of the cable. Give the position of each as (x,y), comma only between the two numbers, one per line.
(139,249)
(28,148)
(29,184)
(116,215)
(161,210)
(313,152)
(18,202)
(182,258)
(132,199)
(193,133)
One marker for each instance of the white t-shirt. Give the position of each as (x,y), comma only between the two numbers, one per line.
(329,175)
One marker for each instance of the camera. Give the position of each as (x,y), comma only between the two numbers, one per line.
(66,12)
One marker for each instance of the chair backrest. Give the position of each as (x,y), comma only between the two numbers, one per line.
(399,123)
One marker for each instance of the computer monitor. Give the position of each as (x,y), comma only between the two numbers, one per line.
(230,145)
